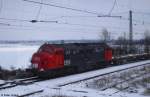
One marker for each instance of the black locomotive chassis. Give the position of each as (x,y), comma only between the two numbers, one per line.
(68,70)
(84,54)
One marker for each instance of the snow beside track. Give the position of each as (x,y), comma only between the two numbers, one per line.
(50,87)
(2,81)
(72,78)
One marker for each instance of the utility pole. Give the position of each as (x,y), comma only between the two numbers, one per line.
(130,32)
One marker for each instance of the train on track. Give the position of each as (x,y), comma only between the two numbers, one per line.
(52,60)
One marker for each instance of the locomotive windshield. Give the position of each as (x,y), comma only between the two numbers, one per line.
(46,48)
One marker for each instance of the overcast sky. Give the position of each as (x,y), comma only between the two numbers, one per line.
(71,24)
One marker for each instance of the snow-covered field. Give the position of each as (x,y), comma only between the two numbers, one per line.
(16,56)
(51,87)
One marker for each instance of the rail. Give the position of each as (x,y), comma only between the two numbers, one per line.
(15,83)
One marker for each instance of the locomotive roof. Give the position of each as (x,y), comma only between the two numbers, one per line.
(74,45)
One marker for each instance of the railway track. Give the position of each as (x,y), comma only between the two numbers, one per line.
(93,77)
(22,82)
(30,93)
(124,82)
(26,81)
(31,80)
(128,81)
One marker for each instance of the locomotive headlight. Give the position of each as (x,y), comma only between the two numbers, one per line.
(41,69)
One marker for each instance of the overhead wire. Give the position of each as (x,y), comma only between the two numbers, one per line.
(122,12)
(54,21)
(112,7)
(85,16)
(44,21)
(63,7)
(137,21)
(13,25)
(39,11)
(57,22)
(112,29)
(143,13)
(73,9)
(65,23)
(25,20)
(28,28)
(4,24)
(12,19)
(41,3)
(142,22)
(86,25)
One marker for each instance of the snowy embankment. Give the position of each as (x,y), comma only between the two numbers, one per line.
(72,78)
(16,56)
(50,87)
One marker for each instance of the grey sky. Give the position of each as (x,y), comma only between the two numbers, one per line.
(87,27)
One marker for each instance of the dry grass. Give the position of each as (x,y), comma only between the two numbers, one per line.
(113,79)
(147,92)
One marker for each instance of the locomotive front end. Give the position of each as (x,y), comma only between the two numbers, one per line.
(47,59)
(38,60)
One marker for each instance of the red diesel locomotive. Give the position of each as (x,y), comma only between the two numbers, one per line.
(53,60)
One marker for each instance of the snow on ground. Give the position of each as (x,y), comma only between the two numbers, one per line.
(16,56)
(50,87)
(1,81)
(70,92)
(72,78)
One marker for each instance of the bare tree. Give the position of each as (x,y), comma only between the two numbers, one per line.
(105,35)
(122,42)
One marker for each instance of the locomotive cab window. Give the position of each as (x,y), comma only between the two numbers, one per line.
(45,50)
